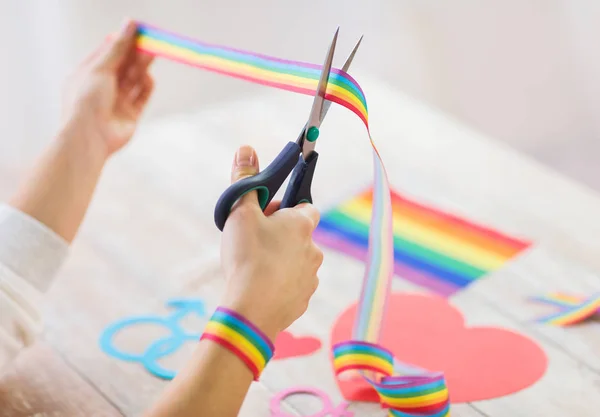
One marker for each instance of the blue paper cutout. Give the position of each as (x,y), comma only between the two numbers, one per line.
(161,347)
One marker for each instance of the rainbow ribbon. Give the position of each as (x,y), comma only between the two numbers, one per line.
(232,331)
(404,394)
(299,77)
(572,309)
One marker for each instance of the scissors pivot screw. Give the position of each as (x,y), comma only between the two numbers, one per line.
(312,134)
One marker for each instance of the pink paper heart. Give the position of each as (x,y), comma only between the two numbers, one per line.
(426,331)
(287,345)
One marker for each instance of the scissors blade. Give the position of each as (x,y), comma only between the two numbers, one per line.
(345,68)
(314,119)
(315,113)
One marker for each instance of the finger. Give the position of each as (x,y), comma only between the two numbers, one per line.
(309,211)
(319,256)
(132,103)
(272,207)
(144,94)
(245,164)
(120,47)
(144,60)
(314,284)
(99,51)
(127,76)
(133,68)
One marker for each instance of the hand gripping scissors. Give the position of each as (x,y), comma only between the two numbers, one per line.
(298,157)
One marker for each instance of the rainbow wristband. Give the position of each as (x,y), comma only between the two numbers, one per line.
(232,331)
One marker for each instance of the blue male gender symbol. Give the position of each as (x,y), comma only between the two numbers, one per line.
(161,347)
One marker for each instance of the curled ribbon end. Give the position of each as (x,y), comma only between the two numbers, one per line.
(425,394)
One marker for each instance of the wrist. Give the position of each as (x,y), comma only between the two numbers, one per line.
(250,310)
(84,141)
(240,336)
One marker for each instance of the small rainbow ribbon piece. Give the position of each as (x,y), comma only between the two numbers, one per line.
(572,309)
(405,396)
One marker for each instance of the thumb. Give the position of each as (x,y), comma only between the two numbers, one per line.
(245,164)
(120,45)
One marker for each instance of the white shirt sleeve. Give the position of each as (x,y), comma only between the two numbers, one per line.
(30,256)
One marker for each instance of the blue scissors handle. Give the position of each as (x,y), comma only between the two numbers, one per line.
(266,183)
(298,189)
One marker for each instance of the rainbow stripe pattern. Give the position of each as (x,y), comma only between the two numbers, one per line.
(235,333)
(299,77)
(407,395)
(432,249)
(572,309)
(401,393)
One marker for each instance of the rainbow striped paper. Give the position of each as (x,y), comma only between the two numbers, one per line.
(432,249)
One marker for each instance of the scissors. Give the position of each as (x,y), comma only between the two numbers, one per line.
(298,157)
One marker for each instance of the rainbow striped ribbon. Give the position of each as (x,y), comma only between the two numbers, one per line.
(234,332)
(572,310)
(405,396)
(301,77)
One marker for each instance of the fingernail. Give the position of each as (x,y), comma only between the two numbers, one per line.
(126,27)
(245,157)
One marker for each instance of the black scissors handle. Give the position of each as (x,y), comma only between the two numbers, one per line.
(266,183)
(298,189)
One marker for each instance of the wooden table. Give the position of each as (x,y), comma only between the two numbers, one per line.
(150,236)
